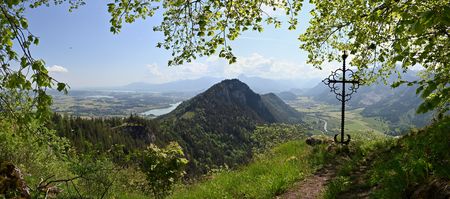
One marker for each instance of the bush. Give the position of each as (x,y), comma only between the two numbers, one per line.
(163,167)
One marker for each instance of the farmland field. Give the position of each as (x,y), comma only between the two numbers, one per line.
(112,103)
(358,126)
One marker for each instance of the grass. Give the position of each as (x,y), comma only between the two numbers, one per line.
(266,177)
(336,186)
(396,167)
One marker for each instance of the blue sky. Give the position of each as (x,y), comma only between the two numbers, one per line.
(79,49)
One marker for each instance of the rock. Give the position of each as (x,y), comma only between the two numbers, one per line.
(12,182)
(332,147)
(317,140)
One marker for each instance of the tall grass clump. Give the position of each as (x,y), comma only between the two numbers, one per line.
(418,157)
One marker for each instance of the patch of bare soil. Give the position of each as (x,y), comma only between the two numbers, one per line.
(312,186)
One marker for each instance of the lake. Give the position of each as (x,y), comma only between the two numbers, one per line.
(162,111)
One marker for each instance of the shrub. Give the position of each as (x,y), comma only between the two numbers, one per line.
(163,167)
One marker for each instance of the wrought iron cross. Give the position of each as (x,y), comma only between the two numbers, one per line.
(337,81)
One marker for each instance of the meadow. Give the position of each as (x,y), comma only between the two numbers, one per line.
(360,127)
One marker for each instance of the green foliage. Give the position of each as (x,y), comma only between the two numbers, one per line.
(163,167)
(48,161)
(35,150)
(205,150)
(94,174)
(336,186)
(19,71)
(386,37)
(104,133)
(417,157)
(268,136)
(201,28)
(217,131)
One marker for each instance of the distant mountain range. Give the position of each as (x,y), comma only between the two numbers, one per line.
(396,105)
(260,85)
(175,86)
(366,95)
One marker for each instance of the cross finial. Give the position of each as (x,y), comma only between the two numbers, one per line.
(345,55)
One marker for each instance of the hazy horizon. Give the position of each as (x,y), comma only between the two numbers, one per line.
(80,50)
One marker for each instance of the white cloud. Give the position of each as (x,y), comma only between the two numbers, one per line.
(253,65)
(57,69)
(271,68)
(162,74)
(417,67)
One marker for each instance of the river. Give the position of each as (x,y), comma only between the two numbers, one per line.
(161,111)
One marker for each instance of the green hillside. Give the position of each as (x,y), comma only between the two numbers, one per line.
(381,168)
(280,110)
(265,177)
(414,166)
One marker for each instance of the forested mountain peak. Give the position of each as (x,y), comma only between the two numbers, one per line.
(216,126)
(233,97)
(232,91)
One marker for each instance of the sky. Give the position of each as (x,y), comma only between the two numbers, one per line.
(79,49)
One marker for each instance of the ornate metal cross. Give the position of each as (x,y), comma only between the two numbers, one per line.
(337,81)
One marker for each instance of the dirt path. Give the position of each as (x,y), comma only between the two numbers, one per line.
(312,186)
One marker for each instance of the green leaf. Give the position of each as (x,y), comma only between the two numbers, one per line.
(431,86)
(61,86)
(419,89)
(201,34)
(418,27)
(397,84)
(24,23)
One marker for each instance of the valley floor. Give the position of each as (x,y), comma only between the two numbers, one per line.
(325,119)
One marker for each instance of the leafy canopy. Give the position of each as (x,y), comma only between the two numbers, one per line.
(20,71)
(384,37)
(202,27)
(387,37)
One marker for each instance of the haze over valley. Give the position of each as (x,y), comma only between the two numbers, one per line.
(151,100)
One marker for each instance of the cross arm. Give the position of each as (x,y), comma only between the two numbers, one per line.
(340,81)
